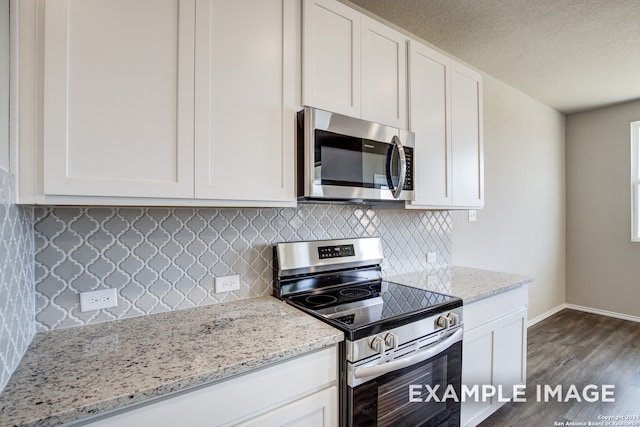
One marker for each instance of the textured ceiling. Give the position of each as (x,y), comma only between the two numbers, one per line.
(572,55)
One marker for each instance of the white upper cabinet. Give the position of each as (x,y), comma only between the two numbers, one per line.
(467,137)
(384,74)
(352,64)
(171,103)
(429,120)
(331,57)
(118,96)
(445,104)
(246,96)
(159,102)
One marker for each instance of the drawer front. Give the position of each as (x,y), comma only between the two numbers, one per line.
(488,309)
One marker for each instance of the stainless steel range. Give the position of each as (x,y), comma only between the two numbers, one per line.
(403,346)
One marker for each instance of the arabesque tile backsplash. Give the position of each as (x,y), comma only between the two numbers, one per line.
(16,279)
(166,259)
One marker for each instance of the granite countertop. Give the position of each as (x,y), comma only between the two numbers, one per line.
(69,374)
(470,284)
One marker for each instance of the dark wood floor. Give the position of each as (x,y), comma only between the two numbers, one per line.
(572,347)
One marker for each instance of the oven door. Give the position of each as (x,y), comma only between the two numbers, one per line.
(410,390)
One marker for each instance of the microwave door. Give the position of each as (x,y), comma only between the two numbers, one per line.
(396,164)
(358,166)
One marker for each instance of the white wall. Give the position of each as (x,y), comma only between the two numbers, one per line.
(4,84)
(603,265)
(522,227)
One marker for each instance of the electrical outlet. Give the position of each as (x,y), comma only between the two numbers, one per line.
(432,279)
(472,215)
(95,300)
(227,283)
(432,257)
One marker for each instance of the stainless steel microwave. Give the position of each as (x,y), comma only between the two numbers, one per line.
(342,158)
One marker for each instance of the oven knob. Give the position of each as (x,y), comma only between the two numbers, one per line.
(443,321)
(448,320)
(377,345)
(454,319)
(391,340)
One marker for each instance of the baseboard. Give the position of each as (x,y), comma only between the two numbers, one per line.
(543,316)
(561,307)
(603,312)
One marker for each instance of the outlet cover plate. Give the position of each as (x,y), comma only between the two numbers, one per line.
(227,283)
(96,300)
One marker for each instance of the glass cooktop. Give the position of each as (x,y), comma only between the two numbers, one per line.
(362,309)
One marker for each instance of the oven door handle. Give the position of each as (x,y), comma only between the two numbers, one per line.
(377,370)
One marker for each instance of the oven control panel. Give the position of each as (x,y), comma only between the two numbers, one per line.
(335,251)
(427,330)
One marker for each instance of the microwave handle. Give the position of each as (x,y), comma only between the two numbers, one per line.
(403,167)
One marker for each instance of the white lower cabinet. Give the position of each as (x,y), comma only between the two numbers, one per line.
(494,354)
(478,368)
(316,410)
(301,392)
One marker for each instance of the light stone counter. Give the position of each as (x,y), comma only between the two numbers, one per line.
(470,284)
(70,374)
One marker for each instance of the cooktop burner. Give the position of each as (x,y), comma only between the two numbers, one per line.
(335,296)
(319,300)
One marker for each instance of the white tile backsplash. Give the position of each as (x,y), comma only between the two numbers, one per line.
(17,325)
(166,259)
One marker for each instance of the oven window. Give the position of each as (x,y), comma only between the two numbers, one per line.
(393,396)
(385,401)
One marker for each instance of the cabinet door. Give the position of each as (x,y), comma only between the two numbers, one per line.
(466,137)
(384,74)
(429,120)
(511,366)
(331,59)
(478,362)
(317,410)
(118,98)
(246,79)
